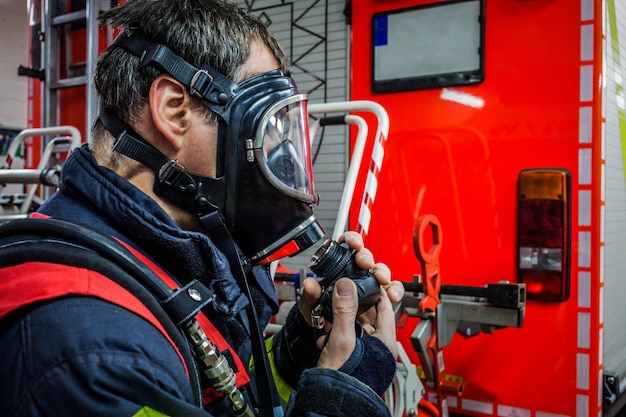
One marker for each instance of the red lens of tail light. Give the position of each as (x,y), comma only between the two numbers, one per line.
(544,233)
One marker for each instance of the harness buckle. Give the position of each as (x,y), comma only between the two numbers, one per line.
(173,173)
(196,78)
(169,171)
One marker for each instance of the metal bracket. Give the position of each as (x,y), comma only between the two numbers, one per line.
(610,391)
(458,308)
(406,391)
(453,312)
(495,306)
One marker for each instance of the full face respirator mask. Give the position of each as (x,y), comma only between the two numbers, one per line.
(263,194)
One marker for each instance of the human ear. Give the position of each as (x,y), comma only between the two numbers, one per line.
(169,108)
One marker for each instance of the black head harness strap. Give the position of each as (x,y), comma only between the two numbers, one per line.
(172,179)
(213,88)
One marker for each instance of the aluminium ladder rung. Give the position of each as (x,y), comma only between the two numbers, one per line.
(73,17)
(68,82)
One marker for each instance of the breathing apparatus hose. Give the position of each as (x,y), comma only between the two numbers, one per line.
(217,369)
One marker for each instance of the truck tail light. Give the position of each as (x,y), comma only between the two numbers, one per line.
(544,233)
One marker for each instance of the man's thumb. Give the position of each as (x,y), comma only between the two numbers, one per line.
(345,303)
(340,342)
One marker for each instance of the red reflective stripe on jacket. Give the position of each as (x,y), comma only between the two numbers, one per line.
(31,282)
(209,394)
(212,333)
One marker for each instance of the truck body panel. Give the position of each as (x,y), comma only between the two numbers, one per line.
(551,98)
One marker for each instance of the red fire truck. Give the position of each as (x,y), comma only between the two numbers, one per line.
(507,123)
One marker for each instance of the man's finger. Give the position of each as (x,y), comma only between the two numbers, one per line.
(395,291)
(309,296)
(342,339)
(353,239)
(382,273)
(385,323)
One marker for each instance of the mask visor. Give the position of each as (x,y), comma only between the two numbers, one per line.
(283,149)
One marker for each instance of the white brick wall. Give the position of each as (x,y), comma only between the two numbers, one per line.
(13,52)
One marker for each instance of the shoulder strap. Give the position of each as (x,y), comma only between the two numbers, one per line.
(216,228)
(67,243)
(177,309)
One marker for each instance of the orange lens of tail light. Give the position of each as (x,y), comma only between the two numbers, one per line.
(544,233)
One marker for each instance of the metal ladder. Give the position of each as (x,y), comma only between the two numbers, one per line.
(66,27)
(59,70)
(47,174)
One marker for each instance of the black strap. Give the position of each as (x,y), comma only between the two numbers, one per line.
(192,192)
(266,387)
(128,145)
(206,82)
(68,243)
(128,142)
(186,302)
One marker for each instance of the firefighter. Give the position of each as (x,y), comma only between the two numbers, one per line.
(177,169)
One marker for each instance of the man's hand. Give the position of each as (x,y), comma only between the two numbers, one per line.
(378,321)
(338,347)
(311,290)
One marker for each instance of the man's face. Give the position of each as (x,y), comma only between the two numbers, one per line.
(200,153)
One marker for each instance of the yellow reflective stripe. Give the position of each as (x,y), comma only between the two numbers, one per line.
(283,389)
(148,412)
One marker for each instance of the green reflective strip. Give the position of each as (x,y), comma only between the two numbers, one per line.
(148,412)
(619,88)
(284,390)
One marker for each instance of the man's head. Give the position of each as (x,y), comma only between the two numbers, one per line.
(210,32)
(190,90)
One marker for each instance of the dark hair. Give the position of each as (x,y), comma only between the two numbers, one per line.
(203,32)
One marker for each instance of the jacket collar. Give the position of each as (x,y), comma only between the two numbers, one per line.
(137,219)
